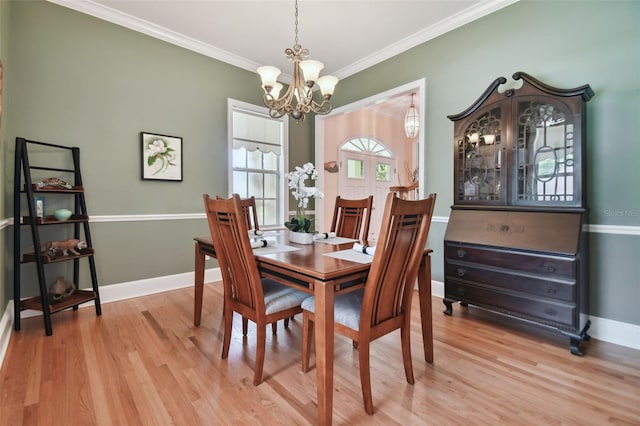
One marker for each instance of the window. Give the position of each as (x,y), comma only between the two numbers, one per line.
(257,158)
(383,172)
(366,145)
(355,169)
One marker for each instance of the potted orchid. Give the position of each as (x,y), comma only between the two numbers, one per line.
(300,224)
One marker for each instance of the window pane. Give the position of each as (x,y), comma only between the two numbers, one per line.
(270,186)
(270,161)
(256,185)
(239,158)
(240,184)
(383,172)
(270,209)
(254,159)
(355,169)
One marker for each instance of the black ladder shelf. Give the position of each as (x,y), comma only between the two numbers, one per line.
(25,214)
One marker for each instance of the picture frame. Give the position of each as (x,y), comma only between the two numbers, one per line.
(40,206)
(161,157)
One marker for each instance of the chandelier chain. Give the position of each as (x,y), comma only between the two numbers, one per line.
(296,26)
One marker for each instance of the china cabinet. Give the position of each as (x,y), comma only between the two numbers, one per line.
(515,243)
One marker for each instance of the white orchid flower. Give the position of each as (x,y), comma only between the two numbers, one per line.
(156,147)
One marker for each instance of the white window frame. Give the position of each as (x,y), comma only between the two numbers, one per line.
(283,193)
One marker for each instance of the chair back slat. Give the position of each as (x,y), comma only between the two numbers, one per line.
(396,260)
(240,276)
(351,218)
(249,212)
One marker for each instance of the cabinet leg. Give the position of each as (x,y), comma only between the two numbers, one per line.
(449,307)
(576,339)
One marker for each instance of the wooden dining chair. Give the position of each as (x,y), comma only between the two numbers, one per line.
(248,206)
(263,301)
(351,218)
(384,304)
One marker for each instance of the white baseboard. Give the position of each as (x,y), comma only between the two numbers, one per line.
(611,331)
(6,326)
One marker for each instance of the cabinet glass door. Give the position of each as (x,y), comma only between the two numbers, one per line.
(544,155)
(480,160)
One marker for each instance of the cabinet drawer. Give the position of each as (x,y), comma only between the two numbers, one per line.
(551,313)
(525,262)
(512,280)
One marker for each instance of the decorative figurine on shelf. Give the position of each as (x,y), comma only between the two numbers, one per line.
(53,183)
(60,290)
(71,245)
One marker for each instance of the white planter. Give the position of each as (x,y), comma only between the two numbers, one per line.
(300,237)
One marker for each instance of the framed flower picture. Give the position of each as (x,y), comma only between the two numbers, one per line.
(161,157)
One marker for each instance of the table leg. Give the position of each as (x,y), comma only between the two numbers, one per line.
(424,295)
(198,284)
(324,334)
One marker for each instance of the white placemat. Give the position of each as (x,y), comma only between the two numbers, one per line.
(335,240)
(277,248)
(352,255)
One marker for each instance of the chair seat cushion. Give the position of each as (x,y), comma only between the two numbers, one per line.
(346,308)
(279,297)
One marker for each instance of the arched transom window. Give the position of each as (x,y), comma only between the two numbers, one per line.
(366,146)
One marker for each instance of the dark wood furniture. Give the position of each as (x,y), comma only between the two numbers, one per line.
(351,218)
(515,242)
(384,305)
(262,300)
(63,163)
(324,277)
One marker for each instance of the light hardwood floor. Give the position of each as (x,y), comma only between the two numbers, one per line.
(144,363)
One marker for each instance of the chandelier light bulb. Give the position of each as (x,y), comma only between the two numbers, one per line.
(311,70)
(269,76)
(327,85)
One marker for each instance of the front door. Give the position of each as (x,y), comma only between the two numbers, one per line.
(363,174)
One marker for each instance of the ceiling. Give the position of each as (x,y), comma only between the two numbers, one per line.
(348,36)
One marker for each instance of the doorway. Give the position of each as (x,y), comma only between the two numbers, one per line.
(366,167)
(368,116)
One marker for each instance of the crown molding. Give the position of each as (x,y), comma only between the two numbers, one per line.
(156,31)
(103,12)
(422,36)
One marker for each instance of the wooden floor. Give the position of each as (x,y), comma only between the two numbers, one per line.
(144,363)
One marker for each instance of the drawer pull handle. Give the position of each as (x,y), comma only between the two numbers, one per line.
(461,272)
(461,291)
(461,253)
(550,311)
(550,267)
(550,289)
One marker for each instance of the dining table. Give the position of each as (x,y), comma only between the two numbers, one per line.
(318,270)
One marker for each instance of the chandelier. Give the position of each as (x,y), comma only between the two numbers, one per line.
(298,100)
(411,120)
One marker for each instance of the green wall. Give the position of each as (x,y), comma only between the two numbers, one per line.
(76,80)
